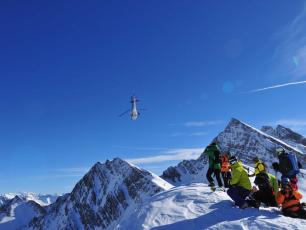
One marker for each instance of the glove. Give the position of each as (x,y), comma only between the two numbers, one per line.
(254,189)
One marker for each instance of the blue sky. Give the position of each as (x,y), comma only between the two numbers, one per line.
(68,68)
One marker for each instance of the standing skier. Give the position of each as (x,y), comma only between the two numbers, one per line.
(288,166)
(213,153)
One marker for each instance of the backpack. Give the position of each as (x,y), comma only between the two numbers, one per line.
(288,164)
(262,180)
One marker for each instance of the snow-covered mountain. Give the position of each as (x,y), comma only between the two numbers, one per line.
(246,142)
(41,199)
(187,171)
(17,209)
(17,212)
(105,195)
(287,135)
(239,139)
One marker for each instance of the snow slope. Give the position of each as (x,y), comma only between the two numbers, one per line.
(195,207)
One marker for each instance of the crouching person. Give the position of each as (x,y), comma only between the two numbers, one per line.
(290,200)
(267,188)
(240,185)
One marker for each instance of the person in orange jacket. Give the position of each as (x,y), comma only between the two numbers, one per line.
(290,200)
(225,169)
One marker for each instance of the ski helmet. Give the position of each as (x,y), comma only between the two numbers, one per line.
(233,160)
(280,150)
(285,181)
(255,159)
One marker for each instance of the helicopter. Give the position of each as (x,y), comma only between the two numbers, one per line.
(133,111)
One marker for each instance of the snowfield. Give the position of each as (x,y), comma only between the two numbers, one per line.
(195,207)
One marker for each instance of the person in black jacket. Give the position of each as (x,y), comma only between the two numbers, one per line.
(264,193)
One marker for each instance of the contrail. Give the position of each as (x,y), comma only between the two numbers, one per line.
(277,86)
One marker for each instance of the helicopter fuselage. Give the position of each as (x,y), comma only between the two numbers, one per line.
(134,113)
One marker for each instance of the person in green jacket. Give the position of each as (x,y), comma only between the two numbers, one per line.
(240,184)
(213,153)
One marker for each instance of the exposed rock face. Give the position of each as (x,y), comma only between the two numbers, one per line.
(287,135)
(243,141)
(269,130)
(187,171)
(246,142)
(103,196)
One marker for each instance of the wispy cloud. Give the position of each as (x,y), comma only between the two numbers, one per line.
(61,173)
(141,148)
(290,54)
(197,134)
(73,170)
(194,134)
(177,134)
(170,155)
(50,175)
(277,86)
(292,122)
(202,123)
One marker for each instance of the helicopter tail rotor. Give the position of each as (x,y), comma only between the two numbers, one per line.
(125,112)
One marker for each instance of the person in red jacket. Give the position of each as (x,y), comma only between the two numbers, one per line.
(290,200)
(225,169)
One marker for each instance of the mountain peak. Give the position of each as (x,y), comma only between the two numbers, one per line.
(234,121)
(284,132)
(239,139)
(245,141)
(101,198)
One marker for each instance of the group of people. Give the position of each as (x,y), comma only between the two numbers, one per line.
(268,190)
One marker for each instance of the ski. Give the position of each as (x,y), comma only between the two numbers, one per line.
(213,189)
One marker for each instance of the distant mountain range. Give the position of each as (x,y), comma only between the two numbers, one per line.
(18,209)
(41,199)
(111,194)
